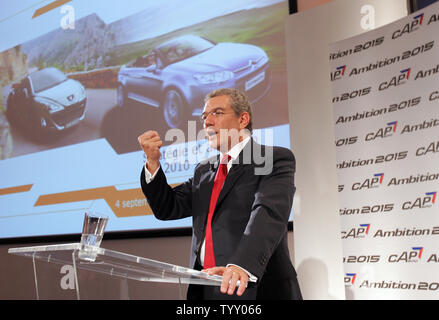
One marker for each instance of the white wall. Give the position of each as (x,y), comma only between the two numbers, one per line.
(318,247)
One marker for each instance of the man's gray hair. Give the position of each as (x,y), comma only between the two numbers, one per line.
(239,102)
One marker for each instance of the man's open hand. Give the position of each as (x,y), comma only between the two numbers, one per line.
(231,275)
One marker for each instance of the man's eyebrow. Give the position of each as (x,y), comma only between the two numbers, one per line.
(214,110)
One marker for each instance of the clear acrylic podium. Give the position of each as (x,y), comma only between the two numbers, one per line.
(115,264)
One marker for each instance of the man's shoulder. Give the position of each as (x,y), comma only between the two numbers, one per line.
(282,151)
(276,151)
(267,159)
(209,161)
(206,164)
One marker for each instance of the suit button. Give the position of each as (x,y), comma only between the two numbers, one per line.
(263,259)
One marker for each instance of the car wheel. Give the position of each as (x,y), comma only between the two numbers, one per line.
(40,128)
(11,111)
(121,96)
(174,109)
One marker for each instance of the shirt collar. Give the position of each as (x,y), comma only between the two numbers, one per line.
(237,148)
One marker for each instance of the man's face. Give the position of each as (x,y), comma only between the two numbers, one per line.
(223,129)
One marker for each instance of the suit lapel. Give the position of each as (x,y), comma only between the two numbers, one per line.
(243,164)
(239,167)
(206,185)
(232,177)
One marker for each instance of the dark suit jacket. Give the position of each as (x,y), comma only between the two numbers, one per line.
(249,227)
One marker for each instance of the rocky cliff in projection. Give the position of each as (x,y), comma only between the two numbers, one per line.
(13,65)
(80,49)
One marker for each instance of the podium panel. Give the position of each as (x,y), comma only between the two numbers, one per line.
(53,281)
(110,265)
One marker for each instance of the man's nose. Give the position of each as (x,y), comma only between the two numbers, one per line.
(209,121)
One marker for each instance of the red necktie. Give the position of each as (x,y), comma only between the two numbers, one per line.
(209,258)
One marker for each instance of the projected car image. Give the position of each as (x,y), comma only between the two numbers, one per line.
(176,75)
(46,100)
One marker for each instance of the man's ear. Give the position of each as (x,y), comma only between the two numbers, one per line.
(244,120)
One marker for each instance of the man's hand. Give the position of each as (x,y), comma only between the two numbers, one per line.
(231,275)
(150,142)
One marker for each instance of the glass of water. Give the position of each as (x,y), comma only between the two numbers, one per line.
(92,233)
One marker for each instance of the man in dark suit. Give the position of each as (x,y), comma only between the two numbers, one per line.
(239,201)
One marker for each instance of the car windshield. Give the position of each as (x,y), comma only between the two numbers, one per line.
(183,48)
(46,78)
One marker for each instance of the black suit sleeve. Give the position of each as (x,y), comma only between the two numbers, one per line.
(167,203)
(268,221)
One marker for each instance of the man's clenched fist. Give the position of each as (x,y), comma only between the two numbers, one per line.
(150,142)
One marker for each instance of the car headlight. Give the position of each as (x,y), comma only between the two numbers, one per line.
(82,92)
(214,77)
(50,106)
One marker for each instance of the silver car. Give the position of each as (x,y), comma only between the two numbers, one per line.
(47,100)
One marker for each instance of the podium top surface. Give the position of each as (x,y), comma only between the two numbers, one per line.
(118,264)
